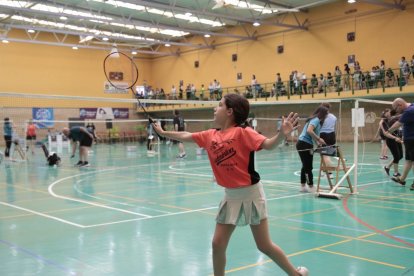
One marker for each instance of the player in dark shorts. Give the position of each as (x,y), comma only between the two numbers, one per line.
(85,139)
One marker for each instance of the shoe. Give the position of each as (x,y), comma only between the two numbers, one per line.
(396,174)
(303,189)
(312,189)
(412,187)
(303,271)
(387,170)
(182,155)
(398,180)
(80,163)
(383,157)
(85,164)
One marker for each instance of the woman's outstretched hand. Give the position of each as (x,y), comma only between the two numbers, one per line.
(289,123)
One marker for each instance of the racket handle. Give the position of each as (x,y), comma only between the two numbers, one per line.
(151,120)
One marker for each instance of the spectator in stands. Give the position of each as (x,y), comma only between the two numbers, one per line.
(219,91)
(193,91)
(188,92)
(382,73)
(390,77)
(280,88)
(357,77)
(313,83)
(321,83)
(304,82)
(329,81)
(412,65)
(173,93)
(291,83)
(357,67)
(347,76)
(181,91)
(405,73)
(211,90)
(402,63)
(161,94)
(273,90)
(254,85)
(338,77)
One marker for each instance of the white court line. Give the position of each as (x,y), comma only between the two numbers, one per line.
(153,217)
(192,174)
(50,190)
(42,214)
(96,197)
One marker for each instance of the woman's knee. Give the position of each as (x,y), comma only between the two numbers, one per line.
(265,248)
(218,244)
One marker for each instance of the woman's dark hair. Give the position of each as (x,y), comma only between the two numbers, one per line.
(384,112)
(6,119)
(240,106)
(327,105)
(321,113)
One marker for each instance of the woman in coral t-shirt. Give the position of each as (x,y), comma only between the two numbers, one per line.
(231,153)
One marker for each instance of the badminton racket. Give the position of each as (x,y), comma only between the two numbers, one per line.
(122,74)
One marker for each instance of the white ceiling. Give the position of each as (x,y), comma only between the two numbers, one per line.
(144,25)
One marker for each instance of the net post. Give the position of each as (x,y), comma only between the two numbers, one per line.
(356,135)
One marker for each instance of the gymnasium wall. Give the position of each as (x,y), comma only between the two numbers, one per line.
(56,70)
(380,34)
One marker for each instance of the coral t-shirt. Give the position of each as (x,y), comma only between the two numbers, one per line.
(231,154)
(31,130)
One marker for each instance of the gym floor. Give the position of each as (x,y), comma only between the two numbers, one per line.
(131,213)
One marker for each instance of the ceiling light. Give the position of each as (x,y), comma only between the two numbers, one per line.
(167,45)
(63,18)
(75,48)
(256,24)
(105,39)
(31,31)
(134,52)
(5,41)
(351,1)
(114,50)
(85,38)
(206,35)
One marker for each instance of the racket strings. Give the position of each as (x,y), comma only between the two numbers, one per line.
(122,73)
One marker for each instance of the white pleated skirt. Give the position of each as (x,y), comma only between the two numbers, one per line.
(243,206)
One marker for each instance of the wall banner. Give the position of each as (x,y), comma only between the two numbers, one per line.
(43,115)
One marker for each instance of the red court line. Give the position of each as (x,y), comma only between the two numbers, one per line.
(345,204)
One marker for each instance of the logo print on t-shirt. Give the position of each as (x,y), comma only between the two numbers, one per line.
(223,150)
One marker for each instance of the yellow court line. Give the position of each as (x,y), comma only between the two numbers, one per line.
(188,194)
(350,238)
(28,189)
(320,248)
(363,259)
(392,208)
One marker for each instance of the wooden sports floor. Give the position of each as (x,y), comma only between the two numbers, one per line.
(134,214)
